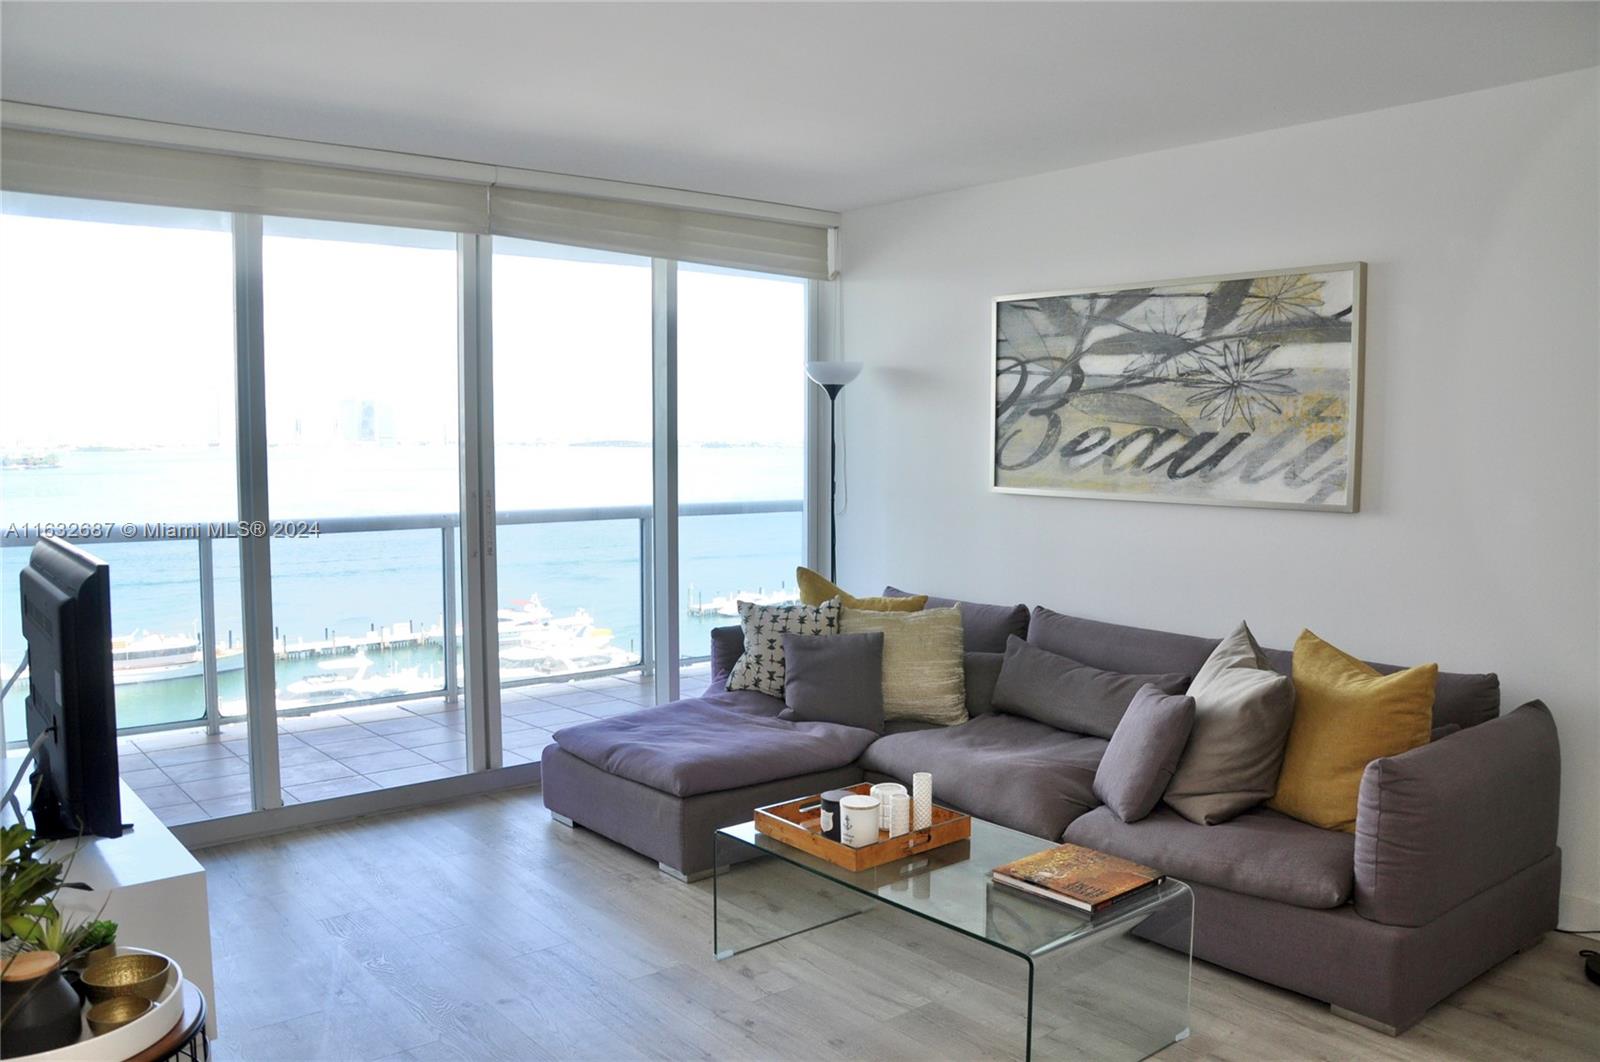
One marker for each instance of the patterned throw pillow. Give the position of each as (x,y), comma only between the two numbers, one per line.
(760,667)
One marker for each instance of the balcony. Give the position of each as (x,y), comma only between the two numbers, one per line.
(368,709)
(189,774)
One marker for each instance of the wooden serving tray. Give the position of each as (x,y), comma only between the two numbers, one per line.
(803,830)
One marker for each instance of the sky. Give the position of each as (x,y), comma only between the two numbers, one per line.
(116,329)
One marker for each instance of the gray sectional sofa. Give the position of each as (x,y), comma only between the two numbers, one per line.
(1452,868)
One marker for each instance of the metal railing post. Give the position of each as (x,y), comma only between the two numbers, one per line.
(452,679)
(208,633)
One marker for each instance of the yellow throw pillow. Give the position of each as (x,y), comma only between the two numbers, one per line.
(815,589)
(1345,716)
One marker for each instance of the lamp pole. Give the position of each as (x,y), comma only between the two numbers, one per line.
(833,390)
(831,376)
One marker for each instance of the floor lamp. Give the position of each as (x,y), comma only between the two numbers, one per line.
(831,376)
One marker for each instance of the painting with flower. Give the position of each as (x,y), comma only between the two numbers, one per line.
(1234,390)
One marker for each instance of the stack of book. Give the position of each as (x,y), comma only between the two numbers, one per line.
(1078,877)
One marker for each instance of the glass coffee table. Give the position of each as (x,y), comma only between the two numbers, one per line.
(1112,986)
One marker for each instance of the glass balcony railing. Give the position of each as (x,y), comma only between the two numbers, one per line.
(367,609)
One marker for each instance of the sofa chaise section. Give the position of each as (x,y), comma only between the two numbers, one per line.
(661,780)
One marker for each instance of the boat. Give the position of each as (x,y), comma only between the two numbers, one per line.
(350,679)
(145,657)
(562,646)
(728,604)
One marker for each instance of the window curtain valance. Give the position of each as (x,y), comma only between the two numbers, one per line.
(48,164)
(661,231)
(89,168)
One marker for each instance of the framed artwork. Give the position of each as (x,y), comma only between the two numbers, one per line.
(1230,390)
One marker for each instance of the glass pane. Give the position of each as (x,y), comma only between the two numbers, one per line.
(116,334)
(572,397)
(362,430)
(741,445)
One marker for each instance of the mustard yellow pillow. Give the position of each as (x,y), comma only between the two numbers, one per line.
(815,589)
(1345,716)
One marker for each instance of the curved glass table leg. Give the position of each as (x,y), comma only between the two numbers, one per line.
(759,899)
(1122,993)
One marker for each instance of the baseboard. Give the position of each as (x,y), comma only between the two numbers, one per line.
(1579,912)
(253,824)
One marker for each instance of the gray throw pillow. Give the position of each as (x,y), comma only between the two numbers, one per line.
(834,680)
(1060,692)
(1139,761)
(982,671)
(1243,710)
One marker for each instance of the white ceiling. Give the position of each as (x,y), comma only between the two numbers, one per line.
(826,105)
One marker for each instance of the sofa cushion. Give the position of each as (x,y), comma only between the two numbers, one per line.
(1458,697)
(727,644)
(760,667)
(1462,698)
(1261,853)
(1069,695)
(1143,752)
(922,665)
(982,671)
(815,588)
(698,746)
(1345,716)
(1013,771)
(835,680)
(1242,712)
(985,628)
(1117,648)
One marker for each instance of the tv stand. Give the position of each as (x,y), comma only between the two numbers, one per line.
(152,887)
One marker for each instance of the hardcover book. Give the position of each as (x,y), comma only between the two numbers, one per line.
(1077,876)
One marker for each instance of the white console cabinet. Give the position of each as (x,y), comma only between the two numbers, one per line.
(153,888)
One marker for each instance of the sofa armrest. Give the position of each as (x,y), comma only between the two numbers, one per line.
(1439,824)
(727,645)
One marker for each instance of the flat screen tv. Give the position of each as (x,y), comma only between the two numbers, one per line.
(71,705)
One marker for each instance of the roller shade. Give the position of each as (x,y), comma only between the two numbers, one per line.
(90,167)
(51,164)
(661,232)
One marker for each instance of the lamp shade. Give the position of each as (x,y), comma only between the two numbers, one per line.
(833,373)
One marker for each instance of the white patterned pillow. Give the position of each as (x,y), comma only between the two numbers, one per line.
(761,666)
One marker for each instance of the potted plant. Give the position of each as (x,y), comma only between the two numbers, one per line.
(40,1004)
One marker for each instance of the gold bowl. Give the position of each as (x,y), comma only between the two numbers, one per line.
(126,975)
(116,1012)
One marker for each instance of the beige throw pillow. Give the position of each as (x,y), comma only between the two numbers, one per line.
(923,677)
(1242,713)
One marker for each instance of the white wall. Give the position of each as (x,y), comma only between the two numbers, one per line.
(1479,532)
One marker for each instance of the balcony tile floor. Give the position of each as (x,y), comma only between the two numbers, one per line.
(188,775)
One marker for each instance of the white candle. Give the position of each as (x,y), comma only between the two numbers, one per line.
(899,814)
(921,800)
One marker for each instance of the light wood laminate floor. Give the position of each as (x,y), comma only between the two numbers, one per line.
(484,930)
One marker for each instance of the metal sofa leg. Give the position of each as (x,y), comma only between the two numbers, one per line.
(674,872)
(1362,1019)
(561,820)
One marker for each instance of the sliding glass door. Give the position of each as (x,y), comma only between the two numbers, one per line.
(742,342)
(132,337)
(117,430)
(362,458)
(572,428)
